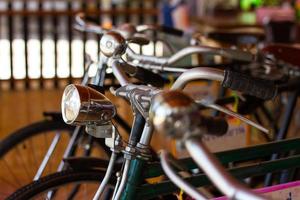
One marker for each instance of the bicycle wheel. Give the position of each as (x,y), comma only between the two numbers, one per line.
(69,184)
(23,151)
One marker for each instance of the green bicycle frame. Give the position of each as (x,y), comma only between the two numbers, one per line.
(140,170)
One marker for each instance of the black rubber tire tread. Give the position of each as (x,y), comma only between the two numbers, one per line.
(55,180)
(31,130)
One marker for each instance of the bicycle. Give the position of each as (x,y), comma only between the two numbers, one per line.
(51,130)
(148,61)
(144,94)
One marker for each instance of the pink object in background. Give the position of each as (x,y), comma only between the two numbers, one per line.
(274,189)
(275,13)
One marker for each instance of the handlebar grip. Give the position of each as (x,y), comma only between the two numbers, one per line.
(148,76)
(215,125)
(144,75)
(260,88)
(139,40)
(171,31)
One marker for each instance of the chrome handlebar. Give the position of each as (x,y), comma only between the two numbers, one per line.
(174,114)
(114,44)
(82,25)
(197,74)
(217,174)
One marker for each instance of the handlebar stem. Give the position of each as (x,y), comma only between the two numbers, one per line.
(118,72)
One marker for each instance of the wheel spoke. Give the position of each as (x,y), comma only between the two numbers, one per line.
(11,173)
(23,162)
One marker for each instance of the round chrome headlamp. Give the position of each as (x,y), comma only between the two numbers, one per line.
(82,105)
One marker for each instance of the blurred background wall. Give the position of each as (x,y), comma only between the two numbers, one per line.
(40,52)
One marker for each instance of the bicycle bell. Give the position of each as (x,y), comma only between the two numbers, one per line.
(173,113)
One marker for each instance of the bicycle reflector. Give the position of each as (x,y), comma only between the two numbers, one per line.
(82,105)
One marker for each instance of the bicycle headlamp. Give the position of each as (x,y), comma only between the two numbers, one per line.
(82,105)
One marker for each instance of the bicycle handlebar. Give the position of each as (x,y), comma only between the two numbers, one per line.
(82,25)
(168,61)
(119,41)
(176,115)
(260,88)
(229,53)
(113,45)
(217,174)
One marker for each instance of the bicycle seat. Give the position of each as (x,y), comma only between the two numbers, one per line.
(286,53)
(238,35)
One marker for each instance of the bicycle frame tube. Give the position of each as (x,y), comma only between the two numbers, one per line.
(151,170)
(136,167)
(292,102)
(147,191)
(217,173)
(47,156)
(134,180)
(140,170)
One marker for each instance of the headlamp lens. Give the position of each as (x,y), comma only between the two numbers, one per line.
(70,104)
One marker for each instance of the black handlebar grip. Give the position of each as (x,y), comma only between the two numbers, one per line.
(260,88)
(215,125)
(144,75)
(148,76)
(171,31)
(139,40)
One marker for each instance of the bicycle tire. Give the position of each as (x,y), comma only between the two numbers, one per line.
(56,180)
(31,130)
(12,147)
(63,178)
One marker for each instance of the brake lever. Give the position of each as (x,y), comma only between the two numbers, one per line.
(231,113)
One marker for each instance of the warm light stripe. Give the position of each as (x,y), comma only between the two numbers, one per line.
(91,49)
(48,70)
(63,59)
(159,47)
(77,58)
(5,60)
(148,49)
(19,71)
(34,60)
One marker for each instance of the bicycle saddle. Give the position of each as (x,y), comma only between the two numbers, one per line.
(286,53)
(238,35)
